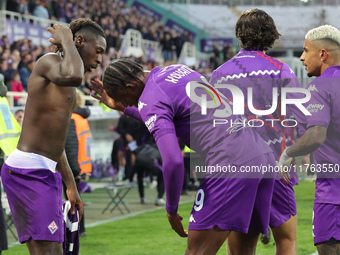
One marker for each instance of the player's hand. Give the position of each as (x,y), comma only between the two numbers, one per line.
(100,94)
(129,138)
(284,163)
(75,200)
(61,34)
(176,224)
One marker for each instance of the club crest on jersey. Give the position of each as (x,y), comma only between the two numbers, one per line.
(52,227)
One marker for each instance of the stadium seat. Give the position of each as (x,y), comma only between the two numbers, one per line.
(117,192)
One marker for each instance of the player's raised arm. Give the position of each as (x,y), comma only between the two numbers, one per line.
(68,69)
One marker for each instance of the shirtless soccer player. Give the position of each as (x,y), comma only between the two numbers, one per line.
(168,101)
(32,175)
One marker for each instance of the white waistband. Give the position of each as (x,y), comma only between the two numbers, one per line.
(29,160)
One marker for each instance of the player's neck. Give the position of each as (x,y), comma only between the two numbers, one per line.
(144,76)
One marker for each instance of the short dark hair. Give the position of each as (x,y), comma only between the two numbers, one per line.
(85,27)
(256,30)
(120,72)
(20,110)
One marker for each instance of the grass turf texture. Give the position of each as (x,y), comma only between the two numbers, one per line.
(151,234)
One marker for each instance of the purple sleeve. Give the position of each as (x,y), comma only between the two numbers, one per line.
(319,105)
(173,170)
(300,130)
(290,80)
(133,112)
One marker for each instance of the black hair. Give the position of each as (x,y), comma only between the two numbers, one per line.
(256,30)
(120,72)
(20,110)
(85,27)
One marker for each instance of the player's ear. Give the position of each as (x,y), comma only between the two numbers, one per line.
(80,41)
(324,55)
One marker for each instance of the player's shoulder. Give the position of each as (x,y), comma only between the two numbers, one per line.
(49,56)
(47,60)
(327,82)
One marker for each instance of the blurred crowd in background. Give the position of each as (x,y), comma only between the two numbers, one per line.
(18,59)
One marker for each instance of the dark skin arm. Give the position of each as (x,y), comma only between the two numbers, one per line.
(72,193)
(69,70)
(97,87)
(314,137)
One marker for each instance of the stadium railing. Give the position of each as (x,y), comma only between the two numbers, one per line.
(188,55)
(134,45)
(29,19)
(232,3)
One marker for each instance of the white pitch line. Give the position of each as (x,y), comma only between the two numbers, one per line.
(94,224)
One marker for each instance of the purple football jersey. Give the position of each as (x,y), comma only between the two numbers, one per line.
(71,230)
(261,73)
(170,103)
(324,106)
(178,101)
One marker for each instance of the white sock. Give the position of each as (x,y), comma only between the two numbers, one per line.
(121,171)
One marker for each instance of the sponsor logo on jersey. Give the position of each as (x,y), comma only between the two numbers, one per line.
(191,219)
(312,88)
(315,107)
(150,123)
(52,227)
(141,105)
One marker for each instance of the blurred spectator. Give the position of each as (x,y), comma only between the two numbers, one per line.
(80,115)
(112,40)
(167,45)
(216,50)
(7,145)
(16,86)
(25,73)
(13,6)
(55,9)
(40,11)
(23,8)
(130,130)
(19,116)
(228,52)
(77,146)
(213,62)
(215,57)
(114,16)
(4,42)
(149,160)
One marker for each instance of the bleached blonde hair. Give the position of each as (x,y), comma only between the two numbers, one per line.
(326,32)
